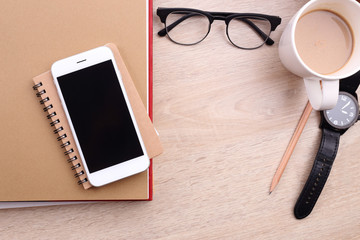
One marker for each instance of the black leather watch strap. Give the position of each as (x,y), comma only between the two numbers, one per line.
(319,173)
(350,84)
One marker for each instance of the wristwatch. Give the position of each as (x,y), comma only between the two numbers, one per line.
(334,123)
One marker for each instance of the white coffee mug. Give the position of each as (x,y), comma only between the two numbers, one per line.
(322,90)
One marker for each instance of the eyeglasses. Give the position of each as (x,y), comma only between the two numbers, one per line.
(188,26)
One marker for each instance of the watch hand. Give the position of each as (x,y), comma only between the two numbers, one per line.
(346,105)
(344,112)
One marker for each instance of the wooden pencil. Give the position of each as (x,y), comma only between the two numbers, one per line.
(291,146)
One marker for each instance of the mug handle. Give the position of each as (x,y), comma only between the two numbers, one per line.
(322,95)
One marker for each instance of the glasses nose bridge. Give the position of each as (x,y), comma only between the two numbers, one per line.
(219,17)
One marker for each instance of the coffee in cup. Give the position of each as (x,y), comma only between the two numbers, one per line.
(324,41)
(319,45)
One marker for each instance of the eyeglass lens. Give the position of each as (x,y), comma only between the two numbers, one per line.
(187,27)
(248,32)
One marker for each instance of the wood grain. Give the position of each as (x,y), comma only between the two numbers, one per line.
(225,117)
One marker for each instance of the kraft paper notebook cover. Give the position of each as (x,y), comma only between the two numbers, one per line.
(30,42)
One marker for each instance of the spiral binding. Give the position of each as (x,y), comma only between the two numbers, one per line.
(53,123)
(36,86)
(62,137)
(79,174)
(47,108)
(40,93)
(69,151)
(51,115)
(65,144)
(57,130)
(72,159)
(44,100)
(76,166)
(82,181)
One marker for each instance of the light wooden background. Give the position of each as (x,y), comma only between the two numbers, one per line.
(225,117)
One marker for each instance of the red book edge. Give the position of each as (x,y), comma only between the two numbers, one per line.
(150,100)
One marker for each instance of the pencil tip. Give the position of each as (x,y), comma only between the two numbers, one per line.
(270,193)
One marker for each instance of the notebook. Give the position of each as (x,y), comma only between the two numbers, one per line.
(32,165)
(51,104)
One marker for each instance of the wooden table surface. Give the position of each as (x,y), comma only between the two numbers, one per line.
(225,117)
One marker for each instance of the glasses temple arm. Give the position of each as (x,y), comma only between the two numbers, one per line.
(163,31)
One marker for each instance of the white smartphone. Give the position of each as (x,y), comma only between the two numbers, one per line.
(92,93)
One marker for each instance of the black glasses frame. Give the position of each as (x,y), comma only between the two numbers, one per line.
(224,16)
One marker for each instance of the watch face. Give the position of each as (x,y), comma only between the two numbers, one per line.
(345,113)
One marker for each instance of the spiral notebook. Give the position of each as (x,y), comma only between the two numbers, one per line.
(49,99)
(33,166)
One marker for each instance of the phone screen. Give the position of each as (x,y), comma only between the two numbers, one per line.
(100,116)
